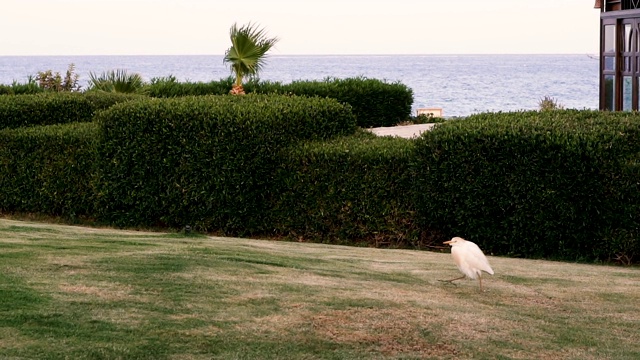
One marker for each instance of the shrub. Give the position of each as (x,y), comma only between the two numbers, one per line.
(16,88)
(48,169)
(169,87)
(374,102)
(208,162)
(47,80)
(559,184)
(56,108)
(116,81)
(43,109)
(548,103)
(349,190)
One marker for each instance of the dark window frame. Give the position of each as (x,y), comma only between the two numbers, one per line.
(618,19)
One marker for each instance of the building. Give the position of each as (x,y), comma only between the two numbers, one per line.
(619,54)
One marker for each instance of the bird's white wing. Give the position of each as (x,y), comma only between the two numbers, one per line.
(475,257)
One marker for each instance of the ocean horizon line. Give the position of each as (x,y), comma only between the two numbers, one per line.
(304,55)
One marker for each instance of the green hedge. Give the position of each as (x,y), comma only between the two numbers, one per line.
(208,162)
(559,184)
(556,184)
(30,87)
(349,190)
(374,102)
(48,169)
(54,108)
(169,87)
(43,109)
(100,100)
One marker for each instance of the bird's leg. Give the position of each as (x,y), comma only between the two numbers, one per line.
(452,280)
(480,280)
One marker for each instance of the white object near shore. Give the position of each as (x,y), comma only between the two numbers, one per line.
(434,111)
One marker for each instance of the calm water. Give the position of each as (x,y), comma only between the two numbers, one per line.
(460,84)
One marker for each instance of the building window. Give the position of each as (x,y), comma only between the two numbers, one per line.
(609,38)
(619,55)
(609,93)
(630,4)
(620,64)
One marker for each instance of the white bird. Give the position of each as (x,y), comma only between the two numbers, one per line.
(469,259)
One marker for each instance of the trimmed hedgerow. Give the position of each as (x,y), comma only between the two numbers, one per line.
(48,169)
(559,184)
(374,102)
(43,109)
(100,100)
(205,161)
(350,190)
(55,107)
(169,87)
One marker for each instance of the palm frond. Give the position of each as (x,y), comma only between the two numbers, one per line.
(119,81)
(248,52)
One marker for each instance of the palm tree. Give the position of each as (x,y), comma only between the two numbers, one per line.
(118,81)
(247,54)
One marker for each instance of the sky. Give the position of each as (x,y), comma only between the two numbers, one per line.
(304,27)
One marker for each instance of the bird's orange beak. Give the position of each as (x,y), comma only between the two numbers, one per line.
(447,242)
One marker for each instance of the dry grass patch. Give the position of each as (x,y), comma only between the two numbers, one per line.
(390,332)
(104,291)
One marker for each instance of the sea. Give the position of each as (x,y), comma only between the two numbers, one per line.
(460,85)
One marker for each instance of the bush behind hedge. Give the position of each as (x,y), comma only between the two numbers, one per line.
(558,184)
(48,169)
(168,87)
(374,102)
(208,161)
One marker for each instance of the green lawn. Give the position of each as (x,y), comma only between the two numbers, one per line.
(84,293)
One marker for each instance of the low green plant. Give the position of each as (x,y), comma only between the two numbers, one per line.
(116,81)
(16,88)
(168,87)
(548,103)
(423,119)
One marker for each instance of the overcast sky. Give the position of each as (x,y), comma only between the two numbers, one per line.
(201,27)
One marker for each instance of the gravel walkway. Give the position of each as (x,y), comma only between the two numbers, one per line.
(406,131)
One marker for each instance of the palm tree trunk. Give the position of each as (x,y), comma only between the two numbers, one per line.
(237,90)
